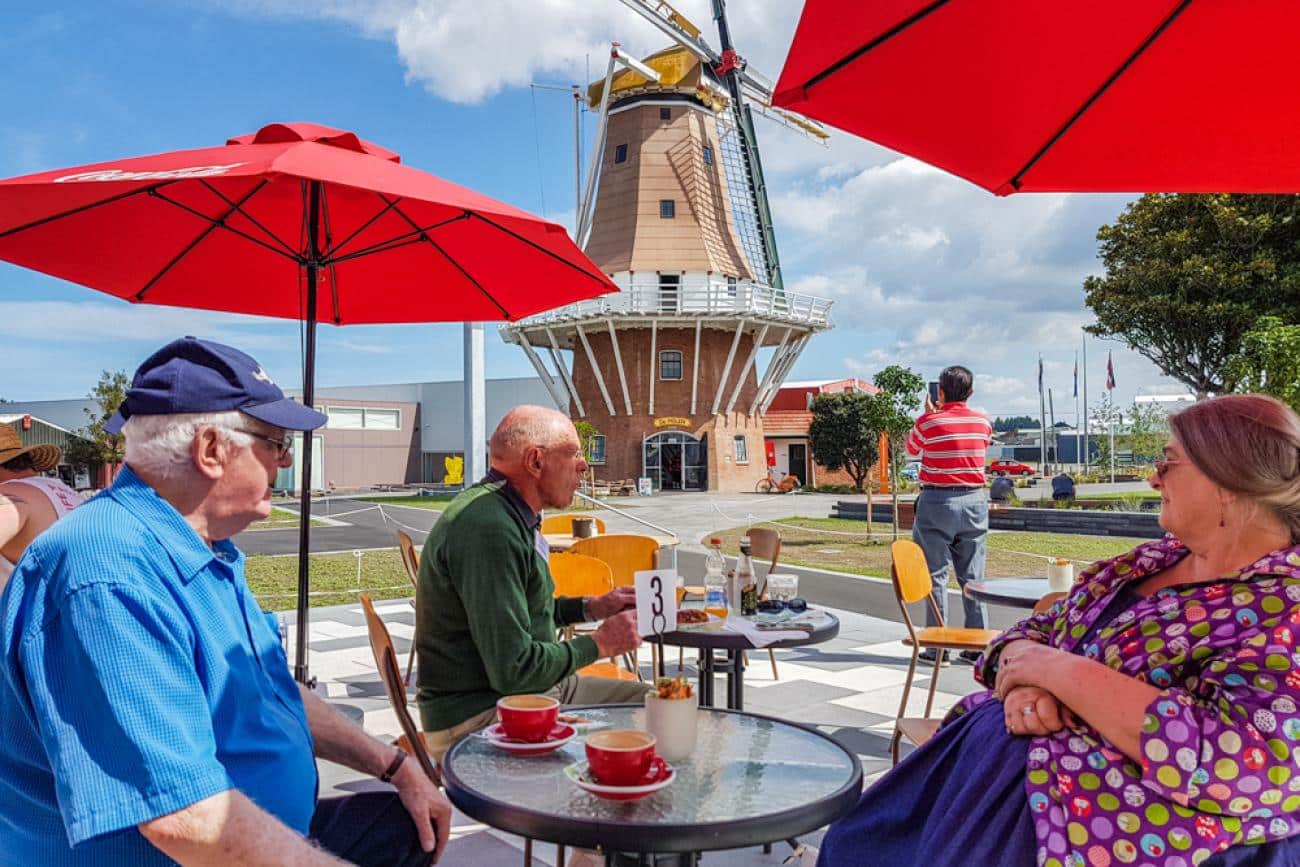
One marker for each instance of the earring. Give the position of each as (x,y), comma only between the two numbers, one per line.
(1222,517)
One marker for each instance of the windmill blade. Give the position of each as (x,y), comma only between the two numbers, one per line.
(674,25)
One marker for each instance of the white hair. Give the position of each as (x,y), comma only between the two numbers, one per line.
(159,445)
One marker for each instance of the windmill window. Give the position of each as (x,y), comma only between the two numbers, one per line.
(670,364)
(742,449)
(665,114)
(668,208)
(731,287)
(596,449)
(708,155)
(620,153)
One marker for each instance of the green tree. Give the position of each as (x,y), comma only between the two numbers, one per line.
(1104,413)
(1187,276)
(843,435)
(1147,430)
(893,410)
(1268,362)
(1015,422)
(94,445)
(587,432)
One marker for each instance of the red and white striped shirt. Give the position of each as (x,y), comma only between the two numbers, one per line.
(952,444)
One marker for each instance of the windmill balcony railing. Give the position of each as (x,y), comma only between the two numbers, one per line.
(707,301)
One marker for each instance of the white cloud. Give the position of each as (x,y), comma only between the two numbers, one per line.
(96,322)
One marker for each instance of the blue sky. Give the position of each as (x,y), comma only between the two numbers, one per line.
(926,270)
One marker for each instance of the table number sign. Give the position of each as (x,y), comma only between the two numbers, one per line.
(656,601)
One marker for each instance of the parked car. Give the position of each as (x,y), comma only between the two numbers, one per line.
(1011,468)
(911,472)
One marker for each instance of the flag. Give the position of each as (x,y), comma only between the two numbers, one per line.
(1040,376)
(1076,375)
(1110,373)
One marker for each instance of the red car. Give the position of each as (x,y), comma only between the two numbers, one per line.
(1011,468)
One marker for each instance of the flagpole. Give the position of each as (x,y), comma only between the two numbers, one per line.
(1042,422)
(1077,421)
(1110,392)
(1051,418)
(1087,435)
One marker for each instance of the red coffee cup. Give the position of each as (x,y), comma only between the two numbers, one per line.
(620,757)
(528,717)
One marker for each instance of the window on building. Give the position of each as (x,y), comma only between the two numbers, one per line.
(731,287)
(620,153)
(363,418)
(665,114)
(670,364)
(742,449)
(667,208)
(708,155)
(596,449)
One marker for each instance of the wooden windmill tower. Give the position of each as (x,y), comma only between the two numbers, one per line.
(675,211)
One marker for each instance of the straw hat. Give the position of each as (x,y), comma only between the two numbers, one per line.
(44,457)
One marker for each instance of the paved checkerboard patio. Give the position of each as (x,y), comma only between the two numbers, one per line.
(848,688)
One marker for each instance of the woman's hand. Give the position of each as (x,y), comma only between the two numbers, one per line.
(1025,663)
(1032,710)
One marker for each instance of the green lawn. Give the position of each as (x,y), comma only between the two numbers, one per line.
(274,580)
(807,542)
(1135,495)
(432,501)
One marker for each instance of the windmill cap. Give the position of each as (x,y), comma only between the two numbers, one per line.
(191,375)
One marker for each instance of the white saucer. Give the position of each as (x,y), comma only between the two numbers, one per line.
(580,774)
(496,735)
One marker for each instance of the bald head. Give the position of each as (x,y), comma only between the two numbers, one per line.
(526,427)
(537,449)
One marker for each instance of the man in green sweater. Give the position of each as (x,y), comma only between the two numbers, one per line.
(486,615)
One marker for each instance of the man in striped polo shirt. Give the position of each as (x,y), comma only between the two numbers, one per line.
(952,512)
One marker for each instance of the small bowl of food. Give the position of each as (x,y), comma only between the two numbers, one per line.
(696,619)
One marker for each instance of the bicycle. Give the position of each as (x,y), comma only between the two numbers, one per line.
(770,484)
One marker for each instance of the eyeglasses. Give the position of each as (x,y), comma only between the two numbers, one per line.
(282,446)
(1162,466)
(773,606)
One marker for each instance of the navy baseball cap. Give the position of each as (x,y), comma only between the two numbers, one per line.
(192,375)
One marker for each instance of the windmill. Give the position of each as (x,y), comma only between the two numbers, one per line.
(674,209)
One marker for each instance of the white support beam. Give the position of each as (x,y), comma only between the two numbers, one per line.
(775,374)
(653,366)
(618,361)
(745,368)
(726,368)
(561,398)
(564,372)
(600,377)
(763,383)
(475,466)
(776,383)
(695,359)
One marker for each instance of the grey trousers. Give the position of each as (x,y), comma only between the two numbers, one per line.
(951,528)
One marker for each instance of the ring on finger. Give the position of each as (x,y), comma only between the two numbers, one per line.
(1027,710)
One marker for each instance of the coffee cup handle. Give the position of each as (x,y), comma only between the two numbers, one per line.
(658,767)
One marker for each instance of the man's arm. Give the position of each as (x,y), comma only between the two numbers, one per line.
(13,513)
(229,830)
(338,740)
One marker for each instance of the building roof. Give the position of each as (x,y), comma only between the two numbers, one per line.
(786,422)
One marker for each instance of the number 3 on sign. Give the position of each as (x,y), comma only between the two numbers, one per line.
(656,601)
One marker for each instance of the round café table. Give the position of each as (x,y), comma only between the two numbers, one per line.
(734,644)
(752,780)
(1012,592)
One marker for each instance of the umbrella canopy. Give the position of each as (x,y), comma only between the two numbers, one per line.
(226,228)
(1022,95)
(297,221)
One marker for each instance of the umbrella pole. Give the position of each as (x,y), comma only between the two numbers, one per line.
(300,673)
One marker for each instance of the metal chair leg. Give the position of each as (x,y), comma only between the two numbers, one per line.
(528,852)
(410,663)
(559,856)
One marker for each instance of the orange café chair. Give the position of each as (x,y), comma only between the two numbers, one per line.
(580,575)
(912,583)
(625,553)
(564,523)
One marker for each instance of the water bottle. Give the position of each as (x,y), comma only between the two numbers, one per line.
(715,580)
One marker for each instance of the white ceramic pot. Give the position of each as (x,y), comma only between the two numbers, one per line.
(674,723)
(1059,578)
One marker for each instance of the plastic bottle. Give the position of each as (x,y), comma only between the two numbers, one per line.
(715,580)
(746,581)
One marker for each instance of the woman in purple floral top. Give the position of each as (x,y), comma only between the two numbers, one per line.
(1150,717)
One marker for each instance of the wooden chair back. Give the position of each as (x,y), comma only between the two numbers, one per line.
(381,645)
(564,523)
(580,575)
(1048,600)
(765,544)
(410,560)
(911,577)
(626,554)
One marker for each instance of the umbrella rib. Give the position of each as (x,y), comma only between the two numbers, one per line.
(366,225)
(202,216)
(538,247)
(434,244)
(274,237)
(412,237)
(189,248)
(82,208)
(874,43)
(1018,178)
(332,266)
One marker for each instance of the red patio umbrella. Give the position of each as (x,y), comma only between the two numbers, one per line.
(297,221)
(1027,96)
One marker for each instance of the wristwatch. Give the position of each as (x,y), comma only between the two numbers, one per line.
(387,775)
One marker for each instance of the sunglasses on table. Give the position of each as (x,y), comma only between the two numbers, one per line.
(774,606)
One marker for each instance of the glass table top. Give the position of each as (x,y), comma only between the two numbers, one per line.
(743,767)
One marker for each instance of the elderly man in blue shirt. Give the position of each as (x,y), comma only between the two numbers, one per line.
(147,711)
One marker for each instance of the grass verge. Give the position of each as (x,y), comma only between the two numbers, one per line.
(334,578)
